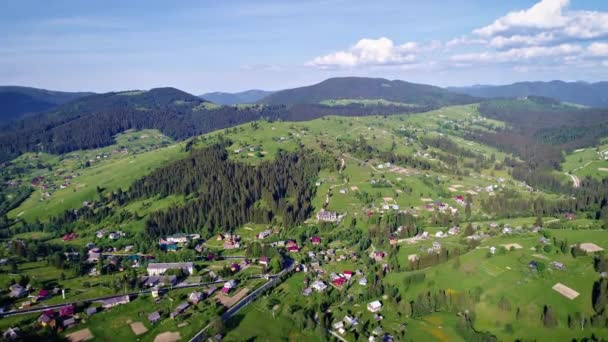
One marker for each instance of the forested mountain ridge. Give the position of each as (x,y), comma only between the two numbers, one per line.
(93,121)
(368,88)
(244,97)
(17,101)
(588,94)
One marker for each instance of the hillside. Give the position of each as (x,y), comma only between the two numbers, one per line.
(93,121)
(244,97)
(587,94)
(17,101)
(359,88)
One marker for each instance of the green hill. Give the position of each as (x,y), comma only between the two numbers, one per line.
(359,88)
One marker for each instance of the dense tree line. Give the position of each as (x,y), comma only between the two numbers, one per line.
(226,194)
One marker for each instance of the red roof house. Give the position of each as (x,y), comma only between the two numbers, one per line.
(348,274)
(315,240)
(67,310)
(339,282)
(293,249)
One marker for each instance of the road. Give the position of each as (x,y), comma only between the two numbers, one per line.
(274,280)
(131,294)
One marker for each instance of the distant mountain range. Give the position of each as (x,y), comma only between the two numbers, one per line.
(17,101)
(587,94)
(357,88)
(244,97)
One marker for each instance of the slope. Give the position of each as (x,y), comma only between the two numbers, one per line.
(588,94)
(248,96)
(358,88)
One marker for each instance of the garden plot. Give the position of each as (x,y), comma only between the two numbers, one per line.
(565,291)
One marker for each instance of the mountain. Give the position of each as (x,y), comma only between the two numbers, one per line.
(248,96)
(587,94)
(93,121)
(17,101)
(362,88)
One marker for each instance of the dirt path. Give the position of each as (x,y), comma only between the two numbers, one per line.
(575,180)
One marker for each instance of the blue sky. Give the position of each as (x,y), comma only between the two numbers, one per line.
(201,46)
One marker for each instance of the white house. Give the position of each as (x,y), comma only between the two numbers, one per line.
(374,306)
(155,269)
(319,285)
(492,249)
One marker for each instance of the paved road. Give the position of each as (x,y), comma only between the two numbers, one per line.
(130,294)
(274,280)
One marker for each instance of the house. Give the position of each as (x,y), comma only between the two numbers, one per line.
(154,317)
(229,285)
(293,249)
(179,309)
(93,257)
(155,269)
(113,236)
(11,334)
(533,264)
(557,265)
(339,326)
(155,292)
(378,255)
(436,245)
(327,216)
(46,319)
(460,199)
(112,302)
(570,216)
(234,267)
(374,306)
(151,281)
(348,320)
(319,285)
(195,297)
(363,281)
(264,234)
(544,240)
(178,238)
(307,291)
(315,240)
(43,294)
(264,261)
(493,250)
(507,230)
(454,230)
(439,234)
(90,311)
(339,282)
(68,323)
(17,291)
(392,240)
(348,274)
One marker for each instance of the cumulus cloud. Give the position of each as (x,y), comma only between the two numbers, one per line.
(545,22)
(366,52)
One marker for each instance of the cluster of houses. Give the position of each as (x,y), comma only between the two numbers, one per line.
(441,207)
(174,242)
(327,216)
(112,235)
(231,241)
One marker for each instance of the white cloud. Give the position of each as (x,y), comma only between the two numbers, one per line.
(543,15)
(518,54)
(598,49)
(464,40)
(546,22)
(366,52)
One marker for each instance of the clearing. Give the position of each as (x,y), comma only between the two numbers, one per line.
(512,245)
(80,335)
(138,328)
(590,247)
(167,337)
(565,291)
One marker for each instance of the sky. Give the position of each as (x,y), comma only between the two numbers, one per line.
(203,46)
